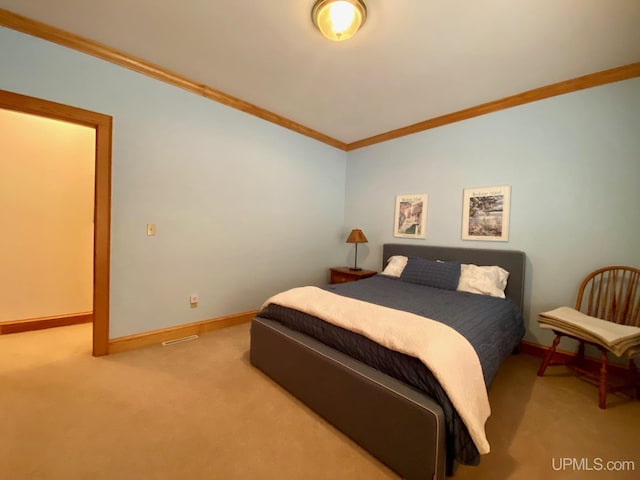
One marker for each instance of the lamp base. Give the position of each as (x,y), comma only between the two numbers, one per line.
(355,269)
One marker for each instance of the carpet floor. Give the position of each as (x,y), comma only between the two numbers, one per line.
(199,410)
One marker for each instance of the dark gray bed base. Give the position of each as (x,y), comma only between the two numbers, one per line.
(394,422)
(399,425)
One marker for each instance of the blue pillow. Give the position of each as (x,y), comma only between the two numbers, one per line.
(443,275)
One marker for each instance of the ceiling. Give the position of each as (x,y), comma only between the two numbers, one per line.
(412,61)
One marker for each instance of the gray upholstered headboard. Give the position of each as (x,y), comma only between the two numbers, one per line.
(512,261)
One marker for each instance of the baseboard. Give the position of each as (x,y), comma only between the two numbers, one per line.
(122,344)
(538,350)
(18,326)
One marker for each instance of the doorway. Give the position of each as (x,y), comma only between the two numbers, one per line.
(102,198)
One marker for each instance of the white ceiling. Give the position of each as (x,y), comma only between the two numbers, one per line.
(413,60)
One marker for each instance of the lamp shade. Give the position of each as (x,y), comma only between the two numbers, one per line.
(338,20)
(357,236)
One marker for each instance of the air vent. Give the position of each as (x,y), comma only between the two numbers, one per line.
(179,340)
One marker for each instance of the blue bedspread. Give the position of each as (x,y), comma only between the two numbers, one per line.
(493,326)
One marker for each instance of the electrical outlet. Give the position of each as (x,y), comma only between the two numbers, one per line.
(193,299)
(151,229)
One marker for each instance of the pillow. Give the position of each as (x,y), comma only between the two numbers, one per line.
(395,266)
(483,280)
(432,274)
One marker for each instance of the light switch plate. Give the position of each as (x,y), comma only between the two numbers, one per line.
(151,229)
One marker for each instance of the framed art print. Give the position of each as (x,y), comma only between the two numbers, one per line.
(411,216)
(485,213)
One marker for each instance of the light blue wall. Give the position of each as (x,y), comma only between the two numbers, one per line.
(573,163)
(244,208)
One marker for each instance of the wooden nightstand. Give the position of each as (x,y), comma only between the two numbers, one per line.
(345,274)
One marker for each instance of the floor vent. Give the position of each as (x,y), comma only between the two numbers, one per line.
(179,340)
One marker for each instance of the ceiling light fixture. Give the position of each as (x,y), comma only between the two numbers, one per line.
(339,19)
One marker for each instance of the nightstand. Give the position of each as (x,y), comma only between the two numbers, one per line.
(345,274)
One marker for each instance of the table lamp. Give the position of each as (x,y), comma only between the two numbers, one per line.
(356,236)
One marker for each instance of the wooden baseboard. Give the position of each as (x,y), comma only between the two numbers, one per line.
(18,326)
(122,344)
(590,363)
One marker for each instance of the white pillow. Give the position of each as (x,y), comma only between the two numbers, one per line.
(490,280)
(395,266)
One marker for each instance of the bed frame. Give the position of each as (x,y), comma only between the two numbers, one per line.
(402,427)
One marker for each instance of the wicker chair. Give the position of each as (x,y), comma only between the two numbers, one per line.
(613,294)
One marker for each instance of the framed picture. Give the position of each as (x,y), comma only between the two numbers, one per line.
(411,216)
(485,213)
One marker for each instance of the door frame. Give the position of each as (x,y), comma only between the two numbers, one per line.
(103,125)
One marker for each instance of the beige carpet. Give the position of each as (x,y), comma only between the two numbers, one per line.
(198,410)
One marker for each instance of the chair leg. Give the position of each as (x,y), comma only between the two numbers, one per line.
(602,403)
(580,355)
(635,378)
(547,358)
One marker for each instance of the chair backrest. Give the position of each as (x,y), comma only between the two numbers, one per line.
(613,294)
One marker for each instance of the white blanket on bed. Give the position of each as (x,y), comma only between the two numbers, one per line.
(443,350)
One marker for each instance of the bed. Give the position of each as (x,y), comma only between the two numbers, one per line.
(389,402)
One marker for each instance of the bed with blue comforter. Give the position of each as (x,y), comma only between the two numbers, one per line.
(493,326)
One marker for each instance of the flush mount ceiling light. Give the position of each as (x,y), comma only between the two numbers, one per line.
(339,19)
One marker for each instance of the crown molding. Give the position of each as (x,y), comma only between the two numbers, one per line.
(61,37)
(46,32)
(579,83)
